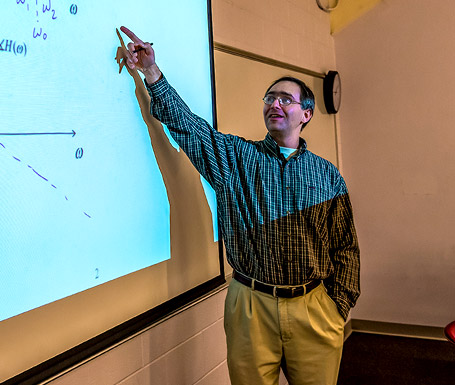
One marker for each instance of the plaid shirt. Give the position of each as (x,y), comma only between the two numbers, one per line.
(283,222)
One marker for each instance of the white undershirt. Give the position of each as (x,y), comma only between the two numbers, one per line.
(287,152)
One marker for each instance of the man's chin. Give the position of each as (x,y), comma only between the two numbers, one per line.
(275,133)
(274,129)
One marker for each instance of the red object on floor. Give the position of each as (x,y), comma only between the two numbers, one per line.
(449,331)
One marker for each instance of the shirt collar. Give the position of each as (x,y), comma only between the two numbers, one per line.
(273,147)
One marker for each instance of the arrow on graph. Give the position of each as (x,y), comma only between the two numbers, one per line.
(72,133)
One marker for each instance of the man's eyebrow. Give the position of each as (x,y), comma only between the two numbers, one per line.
(280,93)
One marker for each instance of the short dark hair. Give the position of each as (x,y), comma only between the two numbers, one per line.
(306,95)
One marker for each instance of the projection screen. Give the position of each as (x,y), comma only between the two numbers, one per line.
(102,216)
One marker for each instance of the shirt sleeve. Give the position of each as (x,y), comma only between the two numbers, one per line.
(344,285)
(207,149)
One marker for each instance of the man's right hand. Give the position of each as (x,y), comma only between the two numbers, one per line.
(141,56)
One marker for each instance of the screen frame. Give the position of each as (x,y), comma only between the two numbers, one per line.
(66,360)
(52,367)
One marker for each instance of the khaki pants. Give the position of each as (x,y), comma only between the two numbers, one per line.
(303,335)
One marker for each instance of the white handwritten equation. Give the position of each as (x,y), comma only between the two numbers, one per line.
(44,12)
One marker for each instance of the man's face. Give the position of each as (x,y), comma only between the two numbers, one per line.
(282,121)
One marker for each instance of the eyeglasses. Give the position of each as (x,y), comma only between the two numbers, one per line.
(282,100)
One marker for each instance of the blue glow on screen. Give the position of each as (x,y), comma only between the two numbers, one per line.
(78,210)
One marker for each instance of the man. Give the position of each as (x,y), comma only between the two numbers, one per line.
(288,229)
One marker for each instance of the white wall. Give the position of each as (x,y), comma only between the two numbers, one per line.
(186,349)
(397,134)
(190,348)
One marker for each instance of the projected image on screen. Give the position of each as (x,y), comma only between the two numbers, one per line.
(82,195)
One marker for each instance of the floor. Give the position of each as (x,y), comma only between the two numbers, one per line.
(371,359)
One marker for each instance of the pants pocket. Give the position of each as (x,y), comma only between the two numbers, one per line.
(324,313)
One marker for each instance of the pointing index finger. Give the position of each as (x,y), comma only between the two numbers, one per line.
(131,35)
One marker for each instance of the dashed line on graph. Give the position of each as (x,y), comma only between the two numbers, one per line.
(41,176)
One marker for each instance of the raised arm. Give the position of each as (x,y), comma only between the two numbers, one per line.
(206,148)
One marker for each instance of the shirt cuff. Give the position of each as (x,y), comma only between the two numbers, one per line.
(343,307)
(158,88)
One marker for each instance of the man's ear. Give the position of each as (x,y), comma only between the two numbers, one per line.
(307,115)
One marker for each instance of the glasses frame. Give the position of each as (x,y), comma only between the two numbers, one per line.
(280,100)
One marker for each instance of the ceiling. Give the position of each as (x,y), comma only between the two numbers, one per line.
(348,11)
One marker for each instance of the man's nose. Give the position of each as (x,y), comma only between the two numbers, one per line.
(276,104)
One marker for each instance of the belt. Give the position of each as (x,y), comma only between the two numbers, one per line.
(276,291)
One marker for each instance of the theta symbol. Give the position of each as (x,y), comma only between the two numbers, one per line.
(73,9)
(79,153)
